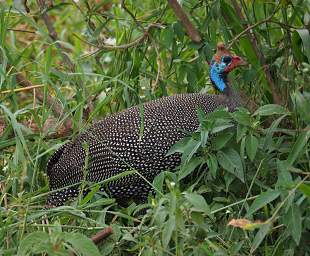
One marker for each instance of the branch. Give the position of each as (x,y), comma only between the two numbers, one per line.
(189,27)
(131,14)
(276,97)
(245,31)
(102,235)
(53,34)
(134,43)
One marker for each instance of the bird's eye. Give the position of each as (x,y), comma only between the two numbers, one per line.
(226,59)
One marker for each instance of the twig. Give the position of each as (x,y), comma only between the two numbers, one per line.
(276,97)
(22,89)
(21,30)
(102,235)
(131,15)
(134,43)
(53,34)
(245,31)
(26,6)
(189,27)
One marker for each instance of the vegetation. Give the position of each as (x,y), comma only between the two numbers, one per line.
(243,186)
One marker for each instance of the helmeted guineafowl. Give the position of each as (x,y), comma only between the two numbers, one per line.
(137,138)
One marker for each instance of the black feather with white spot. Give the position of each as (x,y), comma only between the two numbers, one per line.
(120,142)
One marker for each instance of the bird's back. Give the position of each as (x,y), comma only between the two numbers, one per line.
(137,138)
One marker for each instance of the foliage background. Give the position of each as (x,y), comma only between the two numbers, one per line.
(258,162)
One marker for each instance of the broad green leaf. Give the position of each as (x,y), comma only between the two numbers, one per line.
(179,146)
(292,221)
(90,194)
(260,236)
(221,140)
(159,181)
(242,117)
(198,202)
(270,109)
(81,244)
(189,167)
(168,230)
(305,37)
(220,113)
(305,189)
(284,176)
(262,200)
(190,149)
(230,160)
(218,128)
(298,147)
(36,242)
(167,37)
(241,131)
(212,164)
(251,144)
(268,138)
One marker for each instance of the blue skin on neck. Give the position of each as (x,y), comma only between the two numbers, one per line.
(217,75)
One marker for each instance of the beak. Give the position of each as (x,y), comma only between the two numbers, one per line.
(239,61)
(236,62)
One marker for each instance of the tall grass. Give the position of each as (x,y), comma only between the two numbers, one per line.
(248,166)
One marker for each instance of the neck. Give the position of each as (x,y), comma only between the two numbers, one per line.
(231,95)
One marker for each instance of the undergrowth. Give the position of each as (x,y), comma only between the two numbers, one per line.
(243,185)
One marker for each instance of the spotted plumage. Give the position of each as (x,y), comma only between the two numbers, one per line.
(137,138)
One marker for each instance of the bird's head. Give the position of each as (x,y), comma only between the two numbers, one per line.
(221,64)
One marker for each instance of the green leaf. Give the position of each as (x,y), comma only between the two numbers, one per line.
(168,230)
(81,244)
(167,37)
(212,164)
(292,221)
(220,113)
(242,117)
(90,194)
(241,131)
(268,138)
(190,149)
(159,181)
(179,146)
(305,189)
(284,176)
(230,160)
(189,167)
(198,202)
(36,242)
(298,147)
(221,140)
(251,144)
(270,109)
(305,37)
(262,200)
(260,236)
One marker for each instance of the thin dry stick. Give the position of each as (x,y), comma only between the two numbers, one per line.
(22,89)
(189,27)
(53,34)
(245,31)
(102,235)
(131,15)
(21,30)
(134,43)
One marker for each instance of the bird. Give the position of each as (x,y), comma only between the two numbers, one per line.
(138,139)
